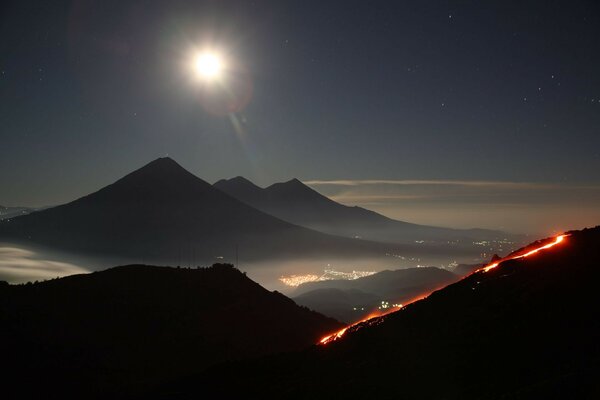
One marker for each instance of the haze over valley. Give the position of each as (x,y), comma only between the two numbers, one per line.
(163,214)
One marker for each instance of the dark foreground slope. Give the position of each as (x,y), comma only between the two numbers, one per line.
(116,332)
(352,300)
(529,328)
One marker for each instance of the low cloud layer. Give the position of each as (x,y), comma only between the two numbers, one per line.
(425,182)
(18,265)
(524,207)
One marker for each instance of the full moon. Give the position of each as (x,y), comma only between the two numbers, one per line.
(209,66)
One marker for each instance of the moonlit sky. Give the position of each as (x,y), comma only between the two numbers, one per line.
(475,113)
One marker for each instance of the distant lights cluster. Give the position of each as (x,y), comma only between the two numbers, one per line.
(385,305)
(297,280)
(331,274)
(328,275)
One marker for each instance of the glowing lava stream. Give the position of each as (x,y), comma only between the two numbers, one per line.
(557,240)
(335,336)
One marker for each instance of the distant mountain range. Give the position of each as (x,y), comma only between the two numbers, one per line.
(161,210)
(527,329)
(162,213)
(299,204)
(112,333)
(352,300)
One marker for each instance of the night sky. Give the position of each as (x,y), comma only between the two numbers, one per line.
(440,112)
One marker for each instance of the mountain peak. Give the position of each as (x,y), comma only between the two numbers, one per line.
(161,180)
(160,170)
(239,180)
(296,189)
(295,181)
(163,162)
(239,187)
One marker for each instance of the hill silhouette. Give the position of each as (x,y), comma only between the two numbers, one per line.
(346,305)
(526,329)
(112,333)
(162,211)
(299,204)
(352,300)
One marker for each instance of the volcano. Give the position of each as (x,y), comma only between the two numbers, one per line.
(163,213)
(295,202)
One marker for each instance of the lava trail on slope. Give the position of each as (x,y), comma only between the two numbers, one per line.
(376,318)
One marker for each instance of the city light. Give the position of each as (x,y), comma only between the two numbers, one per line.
(328,275)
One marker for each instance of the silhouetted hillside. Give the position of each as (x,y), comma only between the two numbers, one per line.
(347,305)
(526,329)
(352,300)
(297,203)
(162,211)
(128,328)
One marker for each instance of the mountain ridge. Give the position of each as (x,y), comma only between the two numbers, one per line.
(161,210)
(295,202)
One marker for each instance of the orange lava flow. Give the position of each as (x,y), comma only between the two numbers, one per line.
(337,335)
(556,241)
(375,314)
